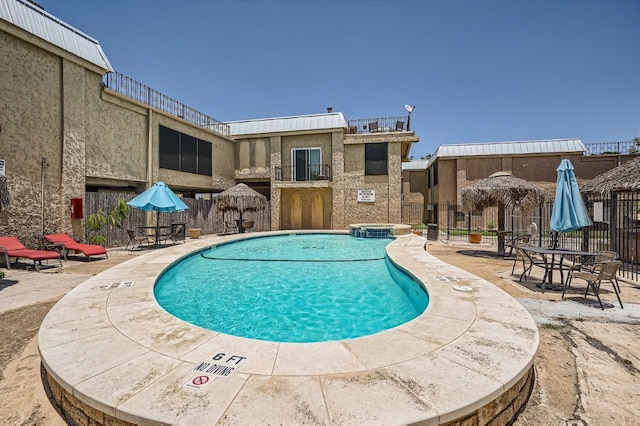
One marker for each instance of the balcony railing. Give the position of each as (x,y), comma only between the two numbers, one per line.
(139,92)
(308,173)
(379,125)
(605,148)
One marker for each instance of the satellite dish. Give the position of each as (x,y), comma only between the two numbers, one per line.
(409,108)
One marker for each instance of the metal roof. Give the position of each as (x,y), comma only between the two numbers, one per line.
(36,21)
(509,148)
(415,165)
(334,120)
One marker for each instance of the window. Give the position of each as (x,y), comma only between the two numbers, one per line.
(306,164)
(375,159)
(184,153)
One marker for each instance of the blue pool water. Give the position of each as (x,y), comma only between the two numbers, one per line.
(292,288)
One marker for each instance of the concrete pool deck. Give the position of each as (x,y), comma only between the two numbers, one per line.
(110,346)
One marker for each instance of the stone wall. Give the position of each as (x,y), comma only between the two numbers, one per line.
(501,411)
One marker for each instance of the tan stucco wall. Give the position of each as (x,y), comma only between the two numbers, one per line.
(31,126)
(53,106)
(306,208)
(320,140)
(253,159)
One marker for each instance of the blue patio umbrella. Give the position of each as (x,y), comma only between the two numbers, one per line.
(159,198)
(569,211)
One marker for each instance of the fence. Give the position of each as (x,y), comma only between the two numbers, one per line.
(135,90)
(201,214)
(616,226)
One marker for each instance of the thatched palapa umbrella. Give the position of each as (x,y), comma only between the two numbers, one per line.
(240,198)
(504,191)
(625,177)
(5,199)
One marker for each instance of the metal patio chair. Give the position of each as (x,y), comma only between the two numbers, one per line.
(606,271)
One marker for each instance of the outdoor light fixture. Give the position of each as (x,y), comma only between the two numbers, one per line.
(409,109)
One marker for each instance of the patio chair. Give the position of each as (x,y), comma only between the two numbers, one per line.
(177,232)
(606,271)
(230,228)
(373,127)
(591,264)
(12,247)
(70,245)
(247,225)
(137,240)
(528,261)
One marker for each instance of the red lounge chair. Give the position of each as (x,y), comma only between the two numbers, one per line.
(69,244)
(12,247)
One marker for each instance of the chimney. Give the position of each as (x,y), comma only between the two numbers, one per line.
(329,109)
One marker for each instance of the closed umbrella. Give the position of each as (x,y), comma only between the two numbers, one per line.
(569,211)
(159,198)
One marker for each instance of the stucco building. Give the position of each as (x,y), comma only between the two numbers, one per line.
(70,124)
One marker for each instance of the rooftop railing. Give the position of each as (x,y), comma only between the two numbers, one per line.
(139,92)
(379,125)
(604,148)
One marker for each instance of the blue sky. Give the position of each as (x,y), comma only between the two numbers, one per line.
(477,71)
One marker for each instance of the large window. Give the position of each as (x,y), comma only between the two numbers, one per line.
(306,164)
(184,153)
(375,159)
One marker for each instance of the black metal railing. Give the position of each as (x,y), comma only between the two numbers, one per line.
(612,148)
(308,173)
(616,226)
(139,92)
(379,125)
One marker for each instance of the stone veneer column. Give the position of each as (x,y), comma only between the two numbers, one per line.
(73,143)
(337,187)
(276,161)
(395,183)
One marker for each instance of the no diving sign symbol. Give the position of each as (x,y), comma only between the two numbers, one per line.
(198,381)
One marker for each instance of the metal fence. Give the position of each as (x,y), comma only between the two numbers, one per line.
(604,148)
(201,214)
(137,91)
(616,226)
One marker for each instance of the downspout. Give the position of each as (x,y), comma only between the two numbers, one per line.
(150,159)
(150,150)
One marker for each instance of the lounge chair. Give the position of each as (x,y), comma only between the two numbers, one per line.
(69,244)
(12,247)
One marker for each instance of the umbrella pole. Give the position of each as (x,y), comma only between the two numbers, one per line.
(501,229)
(157,228)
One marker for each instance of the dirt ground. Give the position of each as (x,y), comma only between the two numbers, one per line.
(587,370)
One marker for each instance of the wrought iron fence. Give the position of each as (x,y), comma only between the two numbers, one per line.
(616,226)
(604,148)
(139,92)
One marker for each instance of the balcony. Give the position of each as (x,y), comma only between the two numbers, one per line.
(379,125)
(312,172)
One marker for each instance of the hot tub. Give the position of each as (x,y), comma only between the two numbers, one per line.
(378,230)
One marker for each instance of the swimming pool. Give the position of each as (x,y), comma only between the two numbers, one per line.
(292,288)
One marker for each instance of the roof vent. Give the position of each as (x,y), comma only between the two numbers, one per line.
(329,109)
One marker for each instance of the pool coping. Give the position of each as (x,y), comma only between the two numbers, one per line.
(110,345)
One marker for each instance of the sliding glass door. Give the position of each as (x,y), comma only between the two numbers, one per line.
(306,164)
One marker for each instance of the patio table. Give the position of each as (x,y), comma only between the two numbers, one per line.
(550,265)
(157,232)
